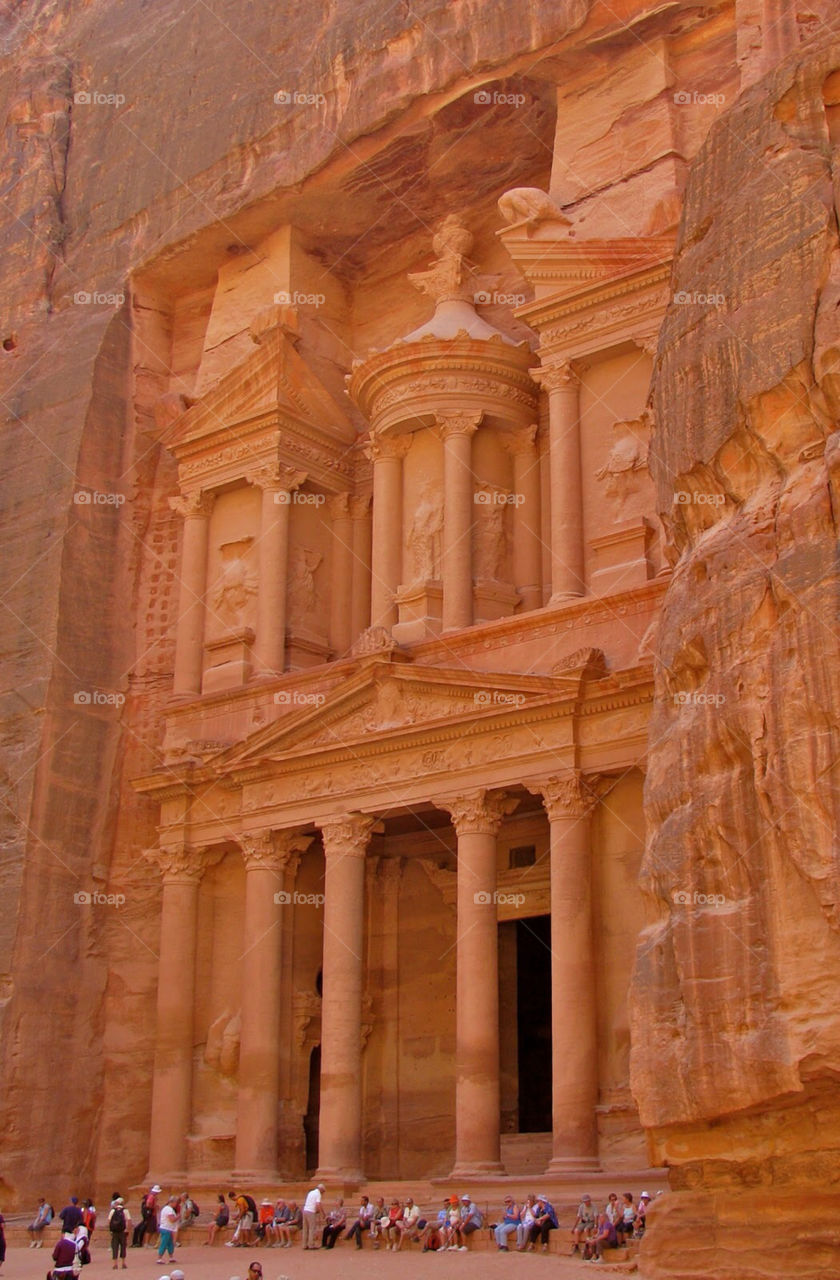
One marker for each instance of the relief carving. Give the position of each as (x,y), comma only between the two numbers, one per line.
(236,585)
(625,473)
(425,537)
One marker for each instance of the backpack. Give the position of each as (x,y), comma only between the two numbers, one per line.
(252,1208)
(117,1222)
(50,1214)
(195,1211)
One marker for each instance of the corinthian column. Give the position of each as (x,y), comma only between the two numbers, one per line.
(387,453)
(278,485)
(189,639)
(574,1046)
(476,818)
(563,386)
(527,551)
(341,588)
(457,431)
(360,510)
(340,1127)
(182,869)
(268,855)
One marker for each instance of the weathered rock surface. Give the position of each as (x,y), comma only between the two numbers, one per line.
(736,1038)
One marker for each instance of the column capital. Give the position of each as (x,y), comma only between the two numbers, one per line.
(347,837)
(199,502)
(522,440)
(182,863)
(387,447)
(477,812)
(274,475)
(360,506)
(558,375)
(338,506)
(457,424)
(565,795)
(273,850)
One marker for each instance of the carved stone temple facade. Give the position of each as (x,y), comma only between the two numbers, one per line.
(401,782)
(418,607)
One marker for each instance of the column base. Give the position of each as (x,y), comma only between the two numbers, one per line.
(354,1176)
(574,1164)
(243,1176)
(478,1169)
(565,597)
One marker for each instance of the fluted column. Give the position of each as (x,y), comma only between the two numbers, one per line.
(574,1045)
(563,386)
(456,432)
(189,639)
(267,857)
(361,572)
(476,818)
(171,1114)
(387,453)
(527,549)
(341,585)
(340,1126)
(278,485)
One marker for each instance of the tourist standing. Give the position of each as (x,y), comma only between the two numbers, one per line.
(168,1227)
(118,1225)
(71,1216)
(312,1217)
(64,1255)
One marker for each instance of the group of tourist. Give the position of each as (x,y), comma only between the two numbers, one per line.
(620,1221)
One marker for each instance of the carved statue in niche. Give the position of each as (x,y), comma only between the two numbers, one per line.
(235,585)
(222,1049)
(625,472)
(424,537)
(490,545)
(302,585)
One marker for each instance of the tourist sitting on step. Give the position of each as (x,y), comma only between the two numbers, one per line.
(335,1224)
(470,1220)
(410,1224)
(288,1229)
(526,1225)
(511,1218)
(220,1220)
(43,1217)
(389,1226)
(641,1213)
(279,1215)
(435,1228)
(378,1220)
(361,1223)
(604,1237)
(584,1223)
(627,1225)
(448,1238)
(545,1220)
(613,1209)
(266,1220)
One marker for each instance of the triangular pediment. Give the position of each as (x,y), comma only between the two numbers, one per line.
(273,382)
(384,700)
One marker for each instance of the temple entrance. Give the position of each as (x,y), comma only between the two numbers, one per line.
(525,1024)
(313,1103)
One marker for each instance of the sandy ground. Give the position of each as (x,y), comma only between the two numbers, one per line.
(343,1263)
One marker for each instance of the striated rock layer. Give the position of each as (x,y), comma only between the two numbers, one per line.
(735,1026)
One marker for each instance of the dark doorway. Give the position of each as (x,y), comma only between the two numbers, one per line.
(533,1021)
(313,1104)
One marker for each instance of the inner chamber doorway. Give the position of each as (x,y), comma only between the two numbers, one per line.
(525,1024)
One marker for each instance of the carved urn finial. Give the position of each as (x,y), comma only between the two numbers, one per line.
(448,279)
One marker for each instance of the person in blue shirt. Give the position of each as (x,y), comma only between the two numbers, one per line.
(511,1218)
(545,1220)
